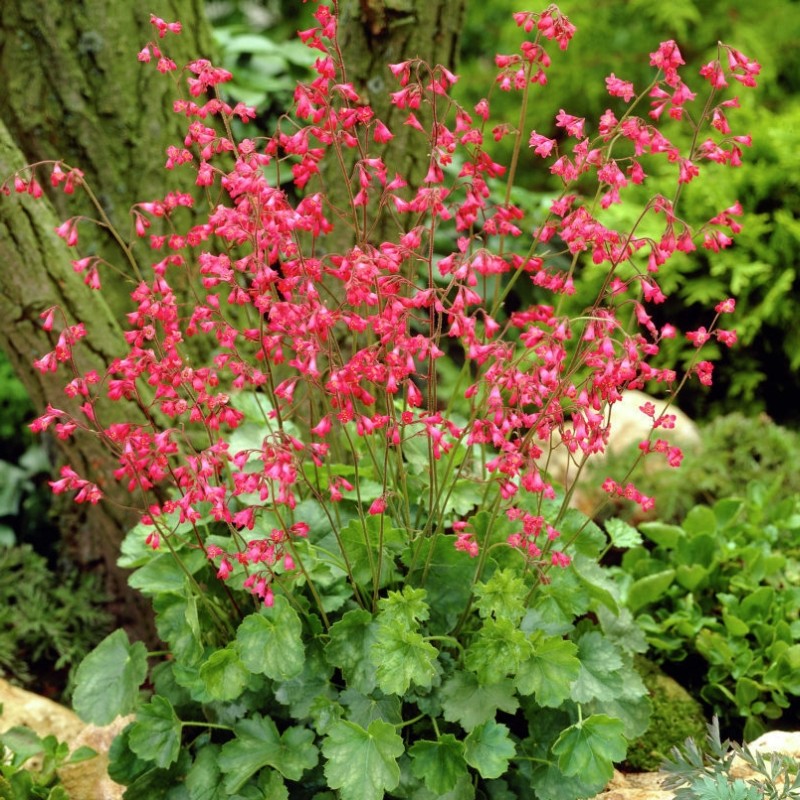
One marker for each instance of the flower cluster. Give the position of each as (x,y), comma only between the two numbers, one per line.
(340,352)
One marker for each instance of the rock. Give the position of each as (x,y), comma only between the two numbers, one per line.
(782,742)
(647,786)
(628,425)
(85,781)
(642,786)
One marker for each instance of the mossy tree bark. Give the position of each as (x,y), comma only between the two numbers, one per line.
(73,90)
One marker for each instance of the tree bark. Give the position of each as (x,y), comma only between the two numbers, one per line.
(74,91)
(37,275)
(372,35)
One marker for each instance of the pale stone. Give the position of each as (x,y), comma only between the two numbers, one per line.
(641,786)
(647,786)
(781,742)
(85,781)
(627,425)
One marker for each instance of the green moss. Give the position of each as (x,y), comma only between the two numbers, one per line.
(676,716)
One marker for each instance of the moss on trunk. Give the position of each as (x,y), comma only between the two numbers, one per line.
(74,90)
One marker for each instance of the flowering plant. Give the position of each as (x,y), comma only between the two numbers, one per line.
(363,560)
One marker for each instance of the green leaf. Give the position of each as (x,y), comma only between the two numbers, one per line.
(362,763)
(502,596)
(622,630)
(108,679)
(156,734)
(165,574)
(324,712)
(314,681)
(550,672)
(257,744)
(363,709)
(405,608)
(124,766)
(440,764)
(663,535)
(621,534)
(599,675)
(589,749)
(634,712)
(349,648)
(81,754)
(589,538)
(757,605)
(734,625)
(361,542)
(271,787)
(747,692)
(596,583)
(402,657)
(224,675)
(465,701)
(23,742)
(448,582)
(204,779)
(270,642)
(498,648)
(488,749)
(700,520)
(155,784)
(173,623)
(649,589)
(690,576)
(464,496)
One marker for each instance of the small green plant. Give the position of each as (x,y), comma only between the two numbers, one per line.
(16,408)
(29,764)
(48,621)
(696,773)
(722,590)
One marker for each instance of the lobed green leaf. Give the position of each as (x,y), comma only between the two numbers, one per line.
(107,681)
(270,641)
(362,763)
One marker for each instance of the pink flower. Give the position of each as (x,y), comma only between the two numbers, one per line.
(378,506)
(619,88)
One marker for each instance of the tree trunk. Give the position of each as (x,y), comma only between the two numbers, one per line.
(37,275)
(74,91)
(372,35)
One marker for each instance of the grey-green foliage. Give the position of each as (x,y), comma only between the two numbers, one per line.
(48,621)
(697,772)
